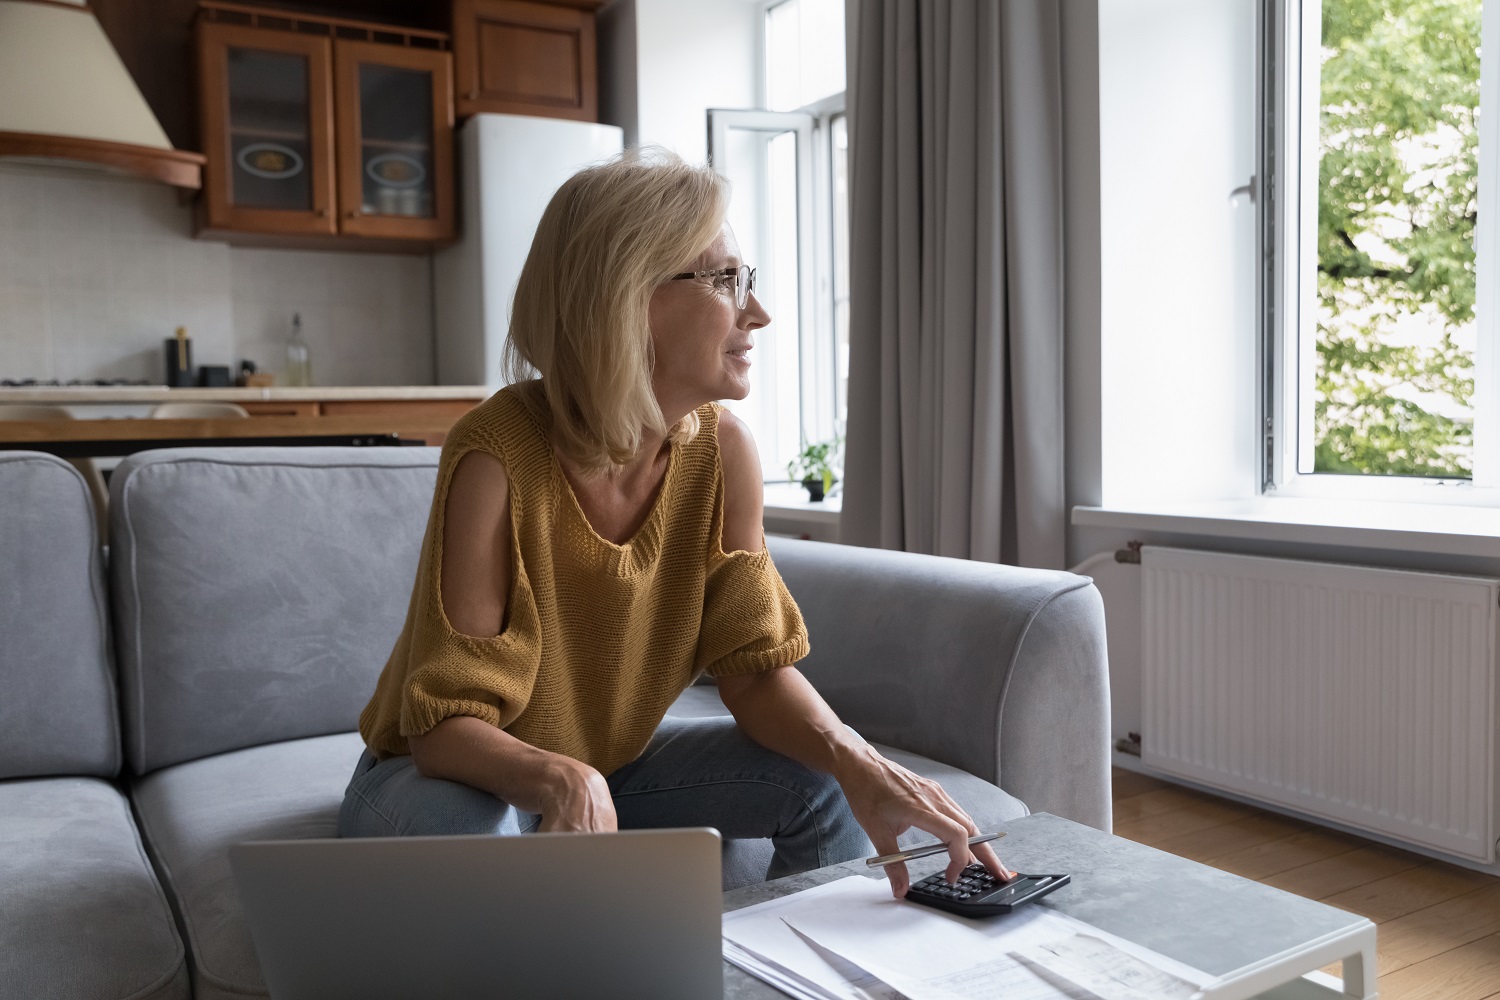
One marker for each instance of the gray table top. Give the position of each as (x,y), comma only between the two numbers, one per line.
(1209,919)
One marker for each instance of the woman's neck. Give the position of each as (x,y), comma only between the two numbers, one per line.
(644,465)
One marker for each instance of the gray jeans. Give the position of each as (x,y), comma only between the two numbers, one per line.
(694,772)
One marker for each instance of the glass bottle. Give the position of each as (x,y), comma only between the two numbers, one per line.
(298,360)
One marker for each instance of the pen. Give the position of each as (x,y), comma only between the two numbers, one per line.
(926,849)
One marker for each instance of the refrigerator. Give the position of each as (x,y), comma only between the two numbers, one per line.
(509,168)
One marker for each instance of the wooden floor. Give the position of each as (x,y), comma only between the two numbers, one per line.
(1439,925)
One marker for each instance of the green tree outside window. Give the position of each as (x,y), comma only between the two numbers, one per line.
(1397,201)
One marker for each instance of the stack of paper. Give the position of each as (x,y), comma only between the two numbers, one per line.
(849,940)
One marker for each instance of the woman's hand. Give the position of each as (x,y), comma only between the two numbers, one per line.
(887,800)
(575,798)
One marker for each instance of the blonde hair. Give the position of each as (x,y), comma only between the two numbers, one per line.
(608,237)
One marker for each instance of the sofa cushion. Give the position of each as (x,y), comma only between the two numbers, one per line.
(746,861)
(58,714)
(258,591)
(191,813)
(83,915)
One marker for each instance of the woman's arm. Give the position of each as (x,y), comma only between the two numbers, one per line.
(475,582)
(781,711)
(567,793)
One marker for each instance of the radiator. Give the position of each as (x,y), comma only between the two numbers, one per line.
(1358,695)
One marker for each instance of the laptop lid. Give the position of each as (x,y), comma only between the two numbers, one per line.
(629,914)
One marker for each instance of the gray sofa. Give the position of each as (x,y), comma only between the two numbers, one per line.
(202,687)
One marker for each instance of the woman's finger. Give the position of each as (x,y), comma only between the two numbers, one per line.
(987,857)
(952,833)
(956,811)
(885,843)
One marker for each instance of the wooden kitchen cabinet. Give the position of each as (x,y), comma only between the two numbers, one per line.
(394,122)
(405,409)
(524,57)
(322,132)
(412,419)
(268,112)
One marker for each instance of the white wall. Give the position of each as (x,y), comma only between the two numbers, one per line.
(96,270)
(666,62)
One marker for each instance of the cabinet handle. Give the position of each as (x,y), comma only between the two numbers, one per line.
(352,214)
(322,213)
(472,95)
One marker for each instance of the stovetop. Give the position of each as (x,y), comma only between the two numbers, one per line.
(35,383)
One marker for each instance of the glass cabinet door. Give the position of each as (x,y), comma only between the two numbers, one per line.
(395,140)
(266,114)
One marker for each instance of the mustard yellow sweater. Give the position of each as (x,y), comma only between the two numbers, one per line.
(599,638)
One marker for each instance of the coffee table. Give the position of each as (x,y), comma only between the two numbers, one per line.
(1212,920)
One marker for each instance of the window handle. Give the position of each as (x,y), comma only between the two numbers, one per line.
(1247,189)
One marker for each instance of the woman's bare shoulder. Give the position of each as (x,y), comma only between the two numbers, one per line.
(480,473)
(744,489)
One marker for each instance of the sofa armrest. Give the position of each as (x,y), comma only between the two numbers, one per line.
(999,670)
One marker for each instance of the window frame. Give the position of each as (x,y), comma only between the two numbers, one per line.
(818,391)
(820,376)
(801,125)
(1287,282)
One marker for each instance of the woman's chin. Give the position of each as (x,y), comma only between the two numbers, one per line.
(736,387)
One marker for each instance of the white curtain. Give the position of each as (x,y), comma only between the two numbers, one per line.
(955,430)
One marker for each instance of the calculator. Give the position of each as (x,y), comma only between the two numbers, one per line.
(977,893)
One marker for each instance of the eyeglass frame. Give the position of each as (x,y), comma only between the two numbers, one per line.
(743,287)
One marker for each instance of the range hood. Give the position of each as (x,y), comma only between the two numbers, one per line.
(65,96)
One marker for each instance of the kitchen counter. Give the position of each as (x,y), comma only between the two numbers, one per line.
(272,394)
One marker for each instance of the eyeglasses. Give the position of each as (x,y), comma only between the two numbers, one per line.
(744,280)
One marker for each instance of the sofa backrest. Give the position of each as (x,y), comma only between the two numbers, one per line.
(257,592)
(57,692)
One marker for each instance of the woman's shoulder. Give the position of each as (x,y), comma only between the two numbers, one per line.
(497,450)
(741,479)
(505,425)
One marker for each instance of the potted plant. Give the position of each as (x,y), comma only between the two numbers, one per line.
(813,468)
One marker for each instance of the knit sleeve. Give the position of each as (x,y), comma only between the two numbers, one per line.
(448,673)
(751,624)
(456,674)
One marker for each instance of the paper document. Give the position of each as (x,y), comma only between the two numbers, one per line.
(849,940)
(1107,971)
(1004,979)
(758,941)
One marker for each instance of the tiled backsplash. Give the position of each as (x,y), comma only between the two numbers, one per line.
(96,270)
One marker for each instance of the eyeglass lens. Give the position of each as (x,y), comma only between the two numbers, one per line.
(744,284)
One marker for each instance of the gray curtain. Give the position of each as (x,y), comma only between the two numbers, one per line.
(955,431)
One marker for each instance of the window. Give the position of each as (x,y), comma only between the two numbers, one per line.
(1381,329)
(787,163)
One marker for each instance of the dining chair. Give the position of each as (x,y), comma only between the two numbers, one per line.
(198,411)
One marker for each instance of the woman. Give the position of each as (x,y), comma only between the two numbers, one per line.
(595,544)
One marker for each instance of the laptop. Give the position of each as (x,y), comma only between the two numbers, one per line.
(628,914)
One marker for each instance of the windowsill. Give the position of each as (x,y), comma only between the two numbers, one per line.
(1408,527)
(788,502)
